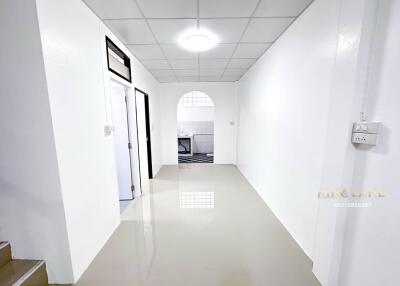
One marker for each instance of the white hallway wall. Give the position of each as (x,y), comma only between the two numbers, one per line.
(371,253)
(224,96)
(64,190)
(74,56)
(283,109)
(31,205)
(87,171)
(310,81)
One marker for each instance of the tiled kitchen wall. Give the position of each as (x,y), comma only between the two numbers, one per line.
(203,131)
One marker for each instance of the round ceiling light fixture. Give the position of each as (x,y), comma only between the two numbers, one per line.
(197,40)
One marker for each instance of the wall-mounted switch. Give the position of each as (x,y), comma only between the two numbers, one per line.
(108,129)
(366,127)
(365,133)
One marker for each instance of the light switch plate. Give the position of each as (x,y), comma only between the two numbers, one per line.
(366,127)
(365,133)
(108,129)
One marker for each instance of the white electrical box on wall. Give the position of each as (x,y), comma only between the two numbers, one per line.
(365,133)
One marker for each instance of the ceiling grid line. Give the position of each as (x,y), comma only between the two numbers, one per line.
(241,37)
(159,46)
(200,18)
(288,26)
(245,30)
(227,43)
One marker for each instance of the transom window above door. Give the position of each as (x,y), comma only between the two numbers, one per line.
(195,99)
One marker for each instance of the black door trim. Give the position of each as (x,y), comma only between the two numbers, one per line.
(148,135)
(137,139)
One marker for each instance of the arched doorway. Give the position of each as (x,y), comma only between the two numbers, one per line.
(195,128)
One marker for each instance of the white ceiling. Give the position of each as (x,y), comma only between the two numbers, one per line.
(151,28)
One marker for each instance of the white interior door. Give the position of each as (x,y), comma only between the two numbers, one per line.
(142,137)
(121,140)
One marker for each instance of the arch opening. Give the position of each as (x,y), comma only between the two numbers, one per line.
(195,128)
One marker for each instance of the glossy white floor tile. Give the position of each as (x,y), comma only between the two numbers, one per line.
(123,205)
(200,225)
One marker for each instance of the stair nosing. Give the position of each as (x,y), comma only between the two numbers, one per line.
(4,244)
(23,278)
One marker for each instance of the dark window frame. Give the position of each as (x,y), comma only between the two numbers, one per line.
(127,62)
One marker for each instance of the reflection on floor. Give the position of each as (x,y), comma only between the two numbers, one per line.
(196,158)
(200,225)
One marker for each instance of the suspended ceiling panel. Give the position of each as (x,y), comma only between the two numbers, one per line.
(151,28)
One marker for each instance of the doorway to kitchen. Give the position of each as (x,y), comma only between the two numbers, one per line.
(195,128)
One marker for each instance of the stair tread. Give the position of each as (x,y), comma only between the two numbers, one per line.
(14,270)
(5,253)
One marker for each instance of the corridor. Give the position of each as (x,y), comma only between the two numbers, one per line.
(200,142)
(200,225)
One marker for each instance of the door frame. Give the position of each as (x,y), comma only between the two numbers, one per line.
(131,159)
(148,133)
(129,143)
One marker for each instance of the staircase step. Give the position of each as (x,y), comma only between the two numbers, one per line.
(5,253)
(23,273)
(37,277)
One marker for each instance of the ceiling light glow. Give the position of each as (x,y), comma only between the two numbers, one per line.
(197,41)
